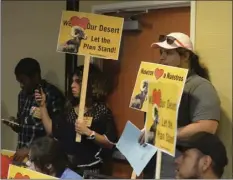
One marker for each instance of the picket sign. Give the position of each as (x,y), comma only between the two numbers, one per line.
(90,35)
(152,94)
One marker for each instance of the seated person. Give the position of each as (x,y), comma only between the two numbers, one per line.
(203,157)
(47,156)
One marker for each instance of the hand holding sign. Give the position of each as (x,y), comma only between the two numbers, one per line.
(81,128)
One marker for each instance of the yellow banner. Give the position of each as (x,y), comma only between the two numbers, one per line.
(16,172)
(10,154)
(161,118)
(151,72)
(90,34)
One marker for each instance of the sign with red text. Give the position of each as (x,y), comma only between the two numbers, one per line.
(16,172)
(10,154)
(152,72)
(90,34)
(161,117)
(158,91)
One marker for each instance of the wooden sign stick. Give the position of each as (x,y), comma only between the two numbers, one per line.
(158,164)
(83,93)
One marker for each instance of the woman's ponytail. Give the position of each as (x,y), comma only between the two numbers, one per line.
(194,63)
(198,68)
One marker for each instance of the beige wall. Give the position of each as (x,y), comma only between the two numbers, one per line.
(29,29)
(86,6)
(214,43)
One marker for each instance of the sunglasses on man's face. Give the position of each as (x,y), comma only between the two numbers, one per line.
(170,40)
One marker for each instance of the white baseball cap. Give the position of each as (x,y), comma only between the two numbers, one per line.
(174,40)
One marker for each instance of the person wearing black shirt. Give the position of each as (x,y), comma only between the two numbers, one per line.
(97,137)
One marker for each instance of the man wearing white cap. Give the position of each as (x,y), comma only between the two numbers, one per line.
(200,105)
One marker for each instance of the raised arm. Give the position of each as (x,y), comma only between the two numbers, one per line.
(51,106)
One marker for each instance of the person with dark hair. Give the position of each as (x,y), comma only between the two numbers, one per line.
(28,74)
(203,156)
(47,156)
(199,108)
(98,135)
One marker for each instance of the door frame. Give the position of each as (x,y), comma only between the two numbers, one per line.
(149,5)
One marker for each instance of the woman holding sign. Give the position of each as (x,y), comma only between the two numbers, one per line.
(200,105)
(97,128)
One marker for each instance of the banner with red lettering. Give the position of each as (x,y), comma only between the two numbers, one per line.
(90,34)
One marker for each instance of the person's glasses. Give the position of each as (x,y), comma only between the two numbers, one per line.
(170,40)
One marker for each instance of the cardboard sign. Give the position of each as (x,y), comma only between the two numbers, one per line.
(161,118)
(16,172)
(10,154)
(151,72)
(90,34)
(158,91)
